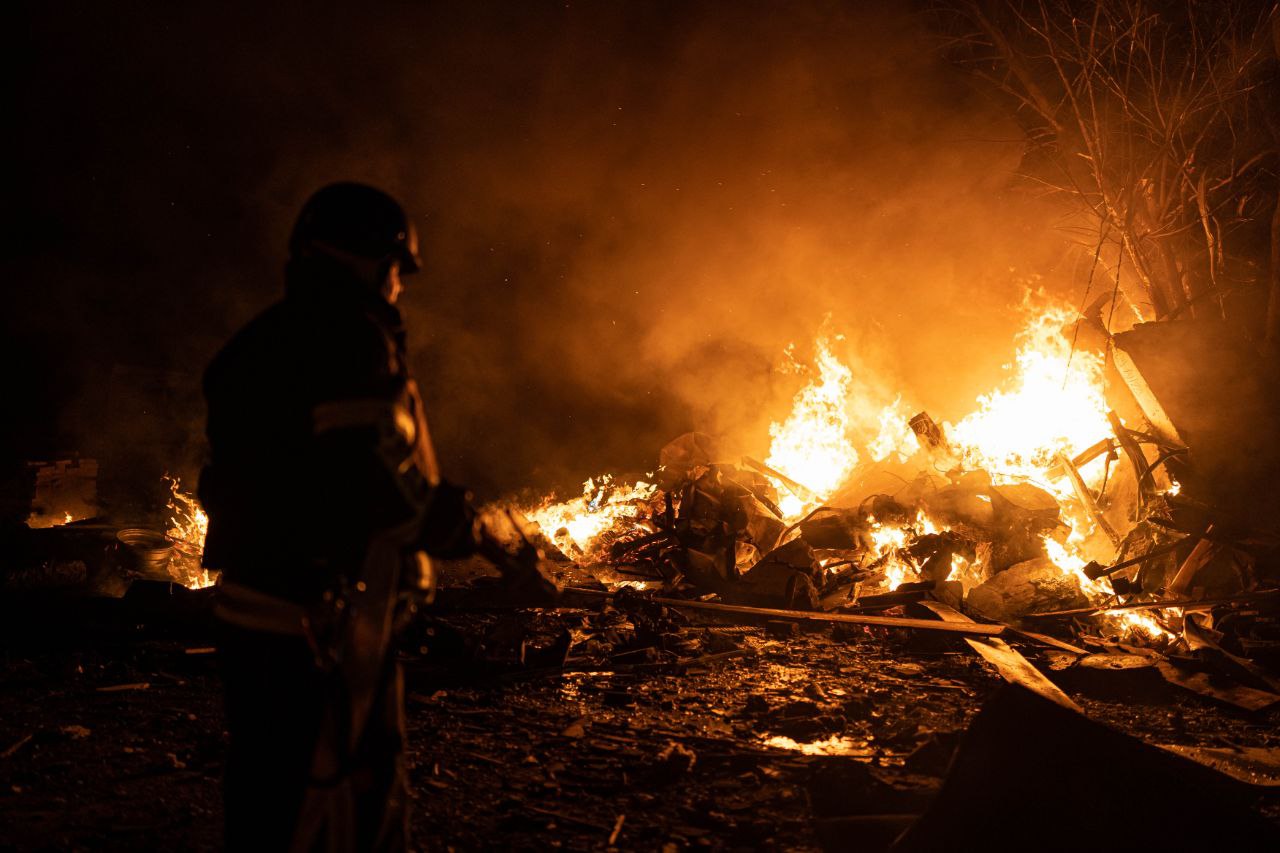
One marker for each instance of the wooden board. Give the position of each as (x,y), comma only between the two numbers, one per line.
(969,628)
(1006,659)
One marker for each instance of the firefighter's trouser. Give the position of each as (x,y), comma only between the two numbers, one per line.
(277,704)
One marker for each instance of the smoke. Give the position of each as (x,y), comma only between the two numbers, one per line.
(627,210)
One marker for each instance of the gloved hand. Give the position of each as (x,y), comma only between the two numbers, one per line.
(525,574)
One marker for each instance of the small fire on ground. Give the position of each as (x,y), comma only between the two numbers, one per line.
(188,526)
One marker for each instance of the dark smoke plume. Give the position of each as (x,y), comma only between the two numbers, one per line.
(628,210)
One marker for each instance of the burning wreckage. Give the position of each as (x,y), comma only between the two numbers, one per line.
(1079,517)
(1044,510)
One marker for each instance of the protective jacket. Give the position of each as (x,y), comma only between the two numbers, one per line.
(317,441)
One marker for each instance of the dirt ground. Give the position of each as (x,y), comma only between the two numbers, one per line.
(113,740)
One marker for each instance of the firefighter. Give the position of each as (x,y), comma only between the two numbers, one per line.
(325,505)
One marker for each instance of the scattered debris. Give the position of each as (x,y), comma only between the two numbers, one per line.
(117,688)
(1011,665)
(1038,761)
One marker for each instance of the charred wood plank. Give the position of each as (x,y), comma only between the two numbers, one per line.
(1093,571)
(975,629)
(1007,660)
(1239,695)
(1199,557)
(1046,640)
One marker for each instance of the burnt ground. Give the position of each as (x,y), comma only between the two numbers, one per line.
(113,739)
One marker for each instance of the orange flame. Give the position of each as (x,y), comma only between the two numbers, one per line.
(812,445)
(1052,403)
(576,525)
(188,526)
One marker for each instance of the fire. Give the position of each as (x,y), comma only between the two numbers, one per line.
(188,525)
(576,525)
(889,544)
(888,541)
(1053,403)
(895,437)
(1122,621)
(812,445)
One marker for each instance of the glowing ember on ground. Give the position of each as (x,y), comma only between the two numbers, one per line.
(188,525)
(812,445)
(834,745)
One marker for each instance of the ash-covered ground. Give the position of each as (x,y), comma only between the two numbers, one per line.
(112,735)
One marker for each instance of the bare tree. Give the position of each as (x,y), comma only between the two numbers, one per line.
(1152,119)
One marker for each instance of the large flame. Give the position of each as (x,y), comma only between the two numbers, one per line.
(812,446)
(1053,403)
(895,437)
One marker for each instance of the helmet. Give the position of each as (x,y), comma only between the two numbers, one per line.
(359,220)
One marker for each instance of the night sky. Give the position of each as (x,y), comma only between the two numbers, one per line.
(628,210)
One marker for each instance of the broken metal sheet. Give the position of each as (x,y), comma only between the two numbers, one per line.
(1203,640)
(1252,765)
(1010,663)
(761,522)
(837,529)
(1201,682)
(1031,776)
(689,451)
(961,505)
(1020,500)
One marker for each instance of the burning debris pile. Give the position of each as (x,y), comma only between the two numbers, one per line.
(70,544)
(1043,508)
